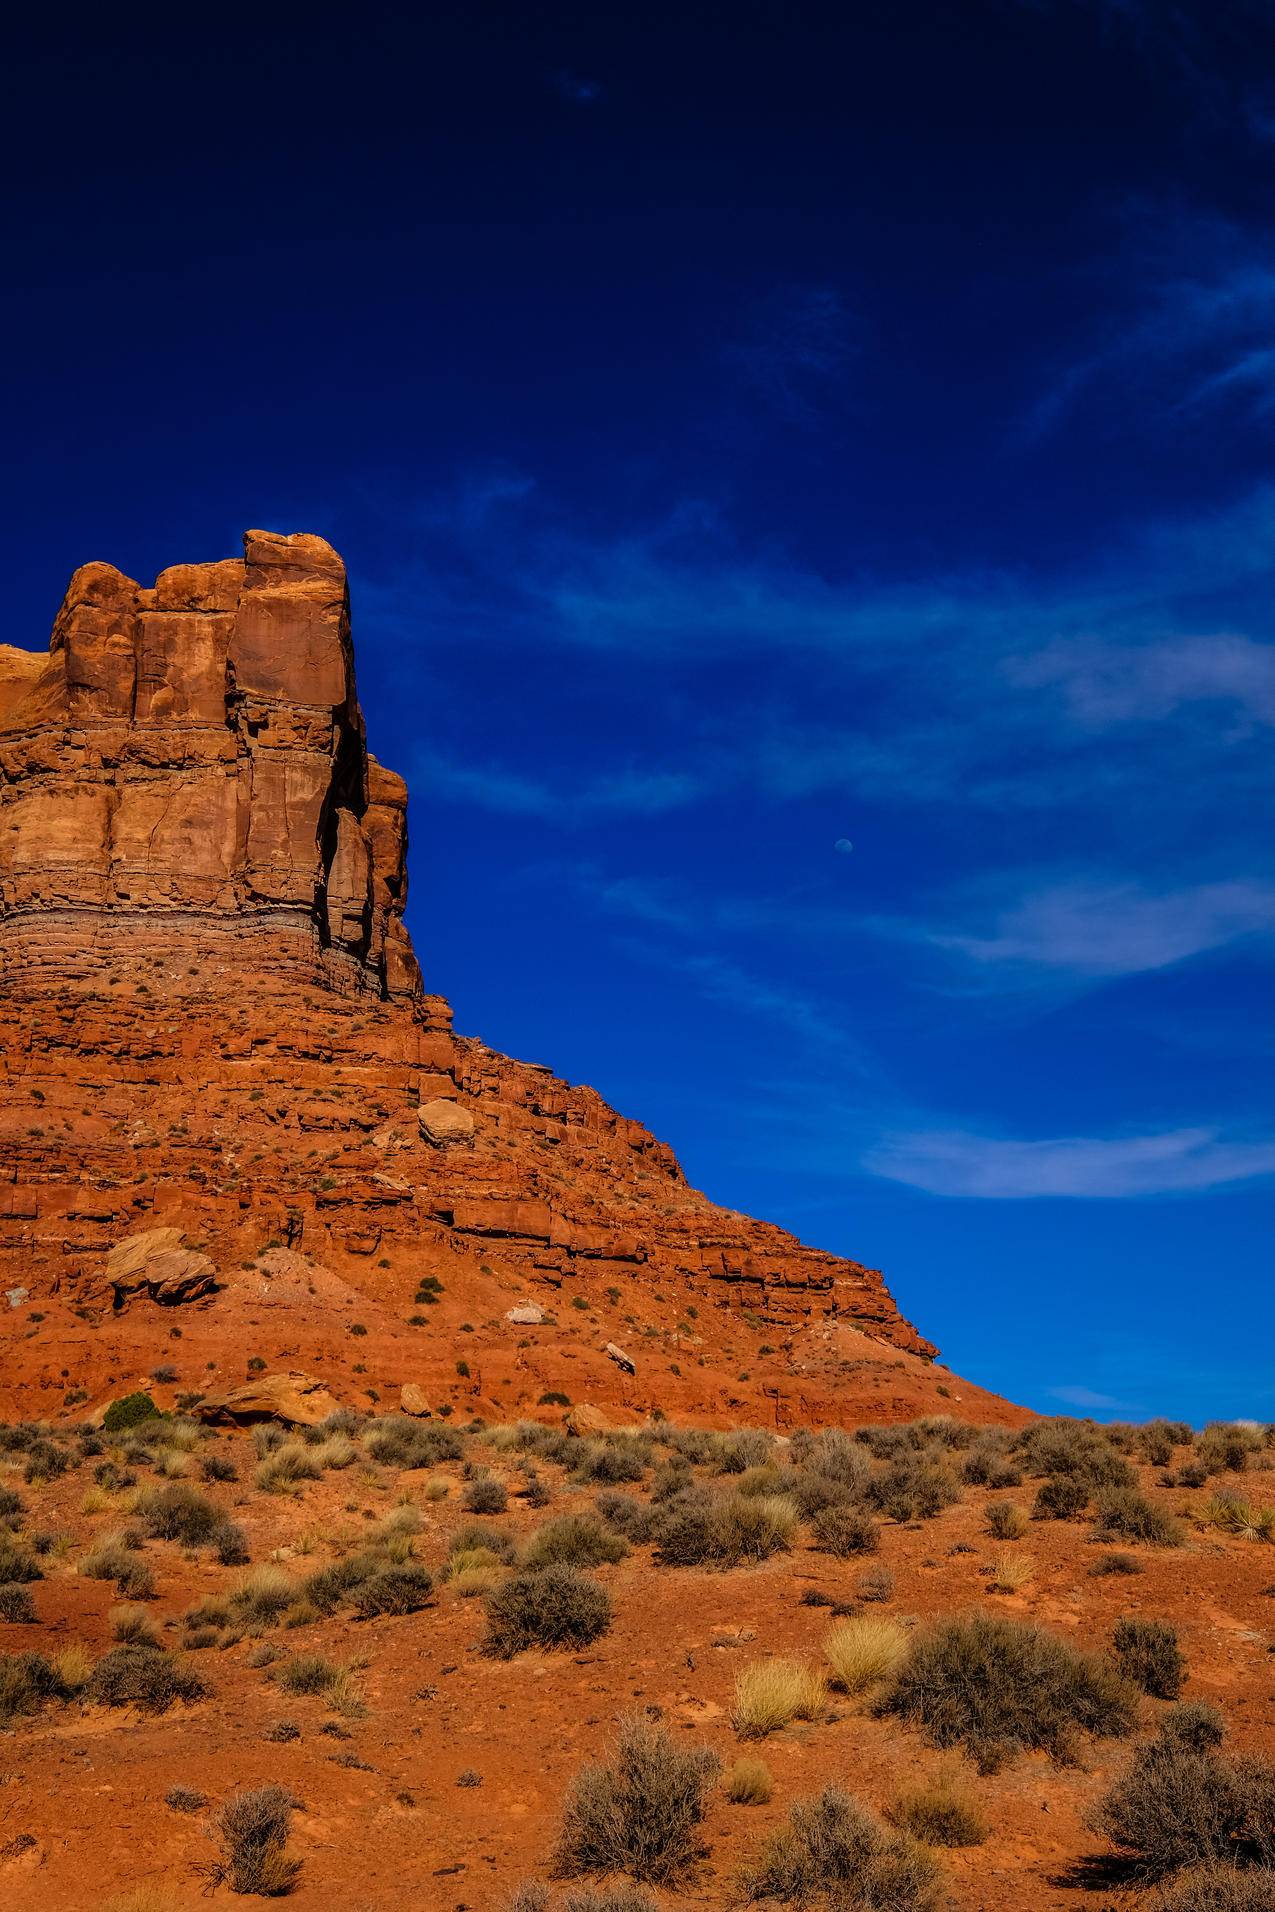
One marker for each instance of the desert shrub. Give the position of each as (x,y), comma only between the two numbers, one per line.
(1125,1514)
(1226,1447)
(914,1487)
(111,1558)
(1006,1520)
(746,1447)
(17,1562)
(253,1828)
(996,1686)
(1077,1448)
(875,1583)
(987,1461)
(1220,1889)
(641,1813)
(185,1799)
(287,1466)
(628,1515)
(145,1677)
(11,1504)
(129,1411)
(486,1495)
(493,1540)
(1180,1805)
(748,1783)
(671,1478)
(1157,1440)
(836,1455)
(334,1585)
(231,1544)
(1193,1723)
(574,1540)
(133,1626)
(844,1530)
(1115,1563)
(1061,1497)
(217,1467)
(621,1458)
(398,1441)
(724,1530)
(16,1605)
(546,1607)
(45,1461)
(941,1811)
(405,1588)
(862,1650)
(179,1512)
(1147,1653)
(770,1693)
(833,1847)
(307,1673)
(26,1681)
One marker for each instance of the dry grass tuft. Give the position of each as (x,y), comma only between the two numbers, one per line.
(770,1693)
(863,1650)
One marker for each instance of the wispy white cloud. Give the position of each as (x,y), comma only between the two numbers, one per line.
(1097,930)
(629,792)
(1075,1394)
(961,1163)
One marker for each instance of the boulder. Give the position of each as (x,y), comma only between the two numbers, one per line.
(526,1315)
(445,1123)
(411,1400)
(295,1399)
(621,1359)
(152,1266)
(587,1418)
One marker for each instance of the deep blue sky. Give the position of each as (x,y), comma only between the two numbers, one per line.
(752,428)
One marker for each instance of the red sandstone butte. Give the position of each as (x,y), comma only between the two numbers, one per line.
(213,1031)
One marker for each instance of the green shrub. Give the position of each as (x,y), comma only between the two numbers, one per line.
(546,1607)
(145,1677)
(130,1411)
(833,1847)
(640,1814)
(1147,1653)
(997,1686)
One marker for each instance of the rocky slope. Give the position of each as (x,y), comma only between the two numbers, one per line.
(237,1136)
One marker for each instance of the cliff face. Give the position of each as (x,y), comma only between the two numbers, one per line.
(189,760)
(212,1029)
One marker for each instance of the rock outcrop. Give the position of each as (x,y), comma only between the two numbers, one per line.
(212,1023)
(192,755)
